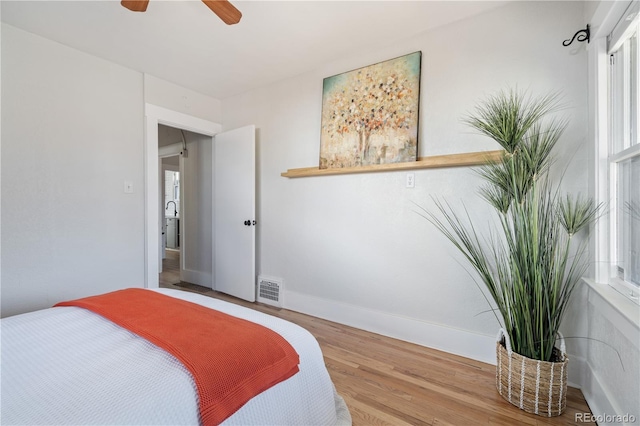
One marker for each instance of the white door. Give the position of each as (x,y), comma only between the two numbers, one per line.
(234,197)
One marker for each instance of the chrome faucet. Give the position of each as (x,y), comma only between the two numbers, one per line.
(175,207)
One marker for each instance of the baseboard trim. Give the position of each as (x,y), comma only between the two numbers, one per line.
(196,277)
(459,342)
(447,339)
(600,399)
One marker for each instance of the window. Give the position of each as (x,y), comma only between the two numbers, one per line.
(624,153)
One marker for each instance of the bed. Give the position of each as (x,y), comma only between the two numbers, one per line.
(68,365)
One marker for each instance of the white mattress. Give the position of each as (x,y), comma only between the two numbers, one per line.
(67,365)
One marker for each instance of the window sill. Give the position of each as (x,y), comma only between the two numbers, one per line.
(608,299)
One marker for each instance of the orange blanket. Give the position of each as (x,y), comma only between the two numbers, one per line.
(231,359)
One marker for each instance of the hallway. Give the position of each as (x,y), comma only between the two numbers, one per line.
(170,276)
(170,269)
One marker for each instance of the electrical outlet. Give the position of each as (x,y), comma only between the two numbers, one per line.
(411,180)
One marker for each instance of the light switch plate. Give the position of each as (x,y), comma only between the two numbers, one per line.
(128,187)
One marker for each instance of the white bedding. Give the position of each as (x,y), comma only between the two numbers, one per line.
(67,365)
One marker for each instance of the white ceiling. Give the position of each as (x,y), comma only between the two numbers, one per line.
(183,42)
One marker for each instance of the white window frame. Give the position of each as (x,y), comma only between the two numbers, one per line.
(606,158)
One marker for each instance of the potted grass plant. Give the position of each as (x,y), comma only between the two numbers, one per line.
(532,259)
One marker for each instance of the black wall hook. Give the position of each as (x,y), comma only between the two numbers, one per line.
(581,35)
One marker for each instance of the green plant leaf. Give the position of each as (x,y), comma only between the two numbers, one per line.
(528,266)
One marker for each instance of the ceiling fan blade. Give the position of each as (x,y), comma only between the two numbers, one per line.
(225,11)
(135,5)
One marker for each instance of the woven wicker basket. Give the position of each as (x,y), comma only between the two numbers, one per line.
(537,387)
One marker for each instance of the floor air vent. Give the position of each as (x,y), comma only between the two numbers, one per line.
(270,291)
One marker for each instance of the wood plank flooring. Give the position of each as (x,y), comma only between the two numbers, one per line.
(386,381)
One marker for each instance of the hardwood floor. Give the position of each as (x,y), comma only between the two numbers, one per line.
(170,268)
(386,381)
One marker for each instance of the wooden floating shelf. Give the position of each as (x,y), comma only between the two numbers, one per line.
(435,161)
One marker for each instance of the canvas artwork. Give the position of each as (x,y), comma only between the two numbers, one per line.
(370,115)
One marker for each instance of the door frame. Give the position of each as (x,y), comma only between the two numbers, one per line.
(155,115)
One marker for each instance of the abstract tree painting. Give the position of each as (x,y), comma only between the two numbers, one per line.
(370,115)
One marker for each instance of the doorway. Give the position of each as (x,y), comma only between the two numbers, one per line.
(185,198)
(156,116)
(231,159)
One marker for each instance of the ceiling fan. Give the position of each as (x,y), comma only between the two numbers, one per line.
(225,10)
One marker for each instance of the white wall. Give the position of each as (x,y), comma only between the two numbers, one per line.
(197,215)
(352,247)
(176,98)
(72,129)
(73,132)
